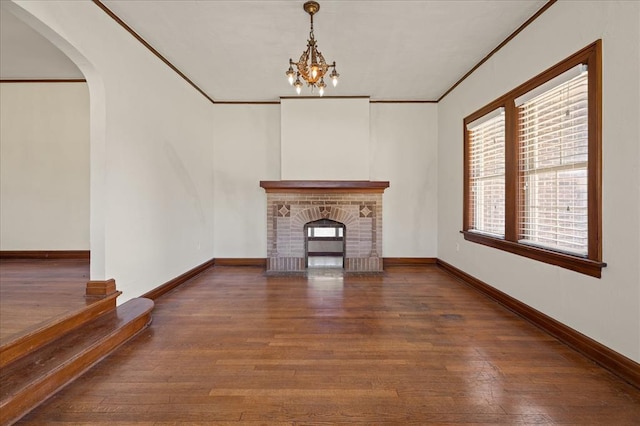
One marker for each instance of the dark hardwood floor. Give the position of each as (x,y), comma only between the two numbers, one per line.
(33,291)
(413,346)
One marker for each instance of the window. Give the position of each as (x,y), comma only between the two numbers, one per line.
(553,154)
(533,167)
(486,179)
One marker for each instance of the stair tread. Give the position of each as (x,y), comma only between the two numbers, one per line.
(23,372)
(41,334)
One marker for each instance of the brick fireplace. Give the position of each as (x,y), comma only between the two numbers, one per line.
(293,204)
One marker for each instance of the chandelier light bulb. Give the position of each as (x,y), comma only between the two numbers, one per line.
(314,71)
(290,73)
(321,86)
(334,76)
(298,85)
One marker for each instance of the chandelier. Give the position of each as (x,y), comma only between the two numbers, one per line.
(311,66)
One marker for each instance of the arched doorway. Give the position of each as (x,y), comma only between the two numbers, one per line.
(324,244)
(37,18)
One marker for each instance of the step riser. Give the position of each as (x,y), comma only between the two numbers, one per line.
(46,385)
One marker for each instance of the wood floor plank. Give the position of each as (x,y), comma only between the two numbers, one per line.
(35,291)
(411,346)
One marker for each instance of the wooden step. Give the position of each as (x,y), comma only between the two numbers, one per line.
(33,339)
(30,380)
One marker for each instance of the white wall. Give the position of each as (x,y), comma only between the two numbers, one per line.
(402,149)
(404,152)
(246,151)
(152,161)
(44,166)
(151,150)
(606,309)
(324,139)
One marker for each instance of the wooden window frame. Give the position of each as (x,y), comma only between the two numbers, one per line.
(591,264)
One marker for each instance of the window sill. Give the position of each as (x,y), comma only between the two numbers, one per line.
(584,266)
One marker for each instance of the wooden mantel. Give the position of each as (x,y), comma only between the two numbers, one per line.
(324,185)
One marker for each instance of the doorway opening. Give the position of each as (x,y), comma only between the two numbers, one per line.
(324,244)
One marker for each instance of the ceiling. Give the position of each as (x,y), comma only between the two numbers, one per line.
(26,55)
(239,50)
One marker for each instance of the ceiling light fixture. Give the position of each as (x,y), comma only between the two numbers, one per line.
(311,66)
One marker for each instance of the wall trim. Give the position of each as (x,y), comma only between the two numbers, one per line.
(371,101)
(408,261)
(325,97)
(180,279)
(261,262)
(254,262)
(402,101)
(150,48)
(500,46)
(137,36)
(247,102)
(623,367)
(45,254)
(203,93)
(43,80)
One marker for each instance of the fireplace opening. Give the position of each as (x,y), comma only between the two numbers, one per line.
(324,244)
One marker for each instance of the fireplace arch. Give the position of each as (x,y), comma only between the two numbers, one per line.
(324,244)
(325,211)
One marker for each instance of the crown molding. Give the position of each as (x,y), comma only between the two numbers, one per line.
(371,101)
(151,49)
(399,101)
(43,80)
(500,46)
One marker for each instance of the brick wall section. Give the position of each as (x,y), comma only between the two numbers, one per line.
(289,212)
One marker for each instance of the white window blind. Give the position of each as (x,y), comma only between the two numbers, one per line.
(553,135)
(487,173)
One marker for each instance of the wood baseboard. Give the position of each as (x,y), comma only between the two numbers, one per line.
(408,261)
(45,254)
(618,364)
(181,279)
(388,261)
(257,262)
